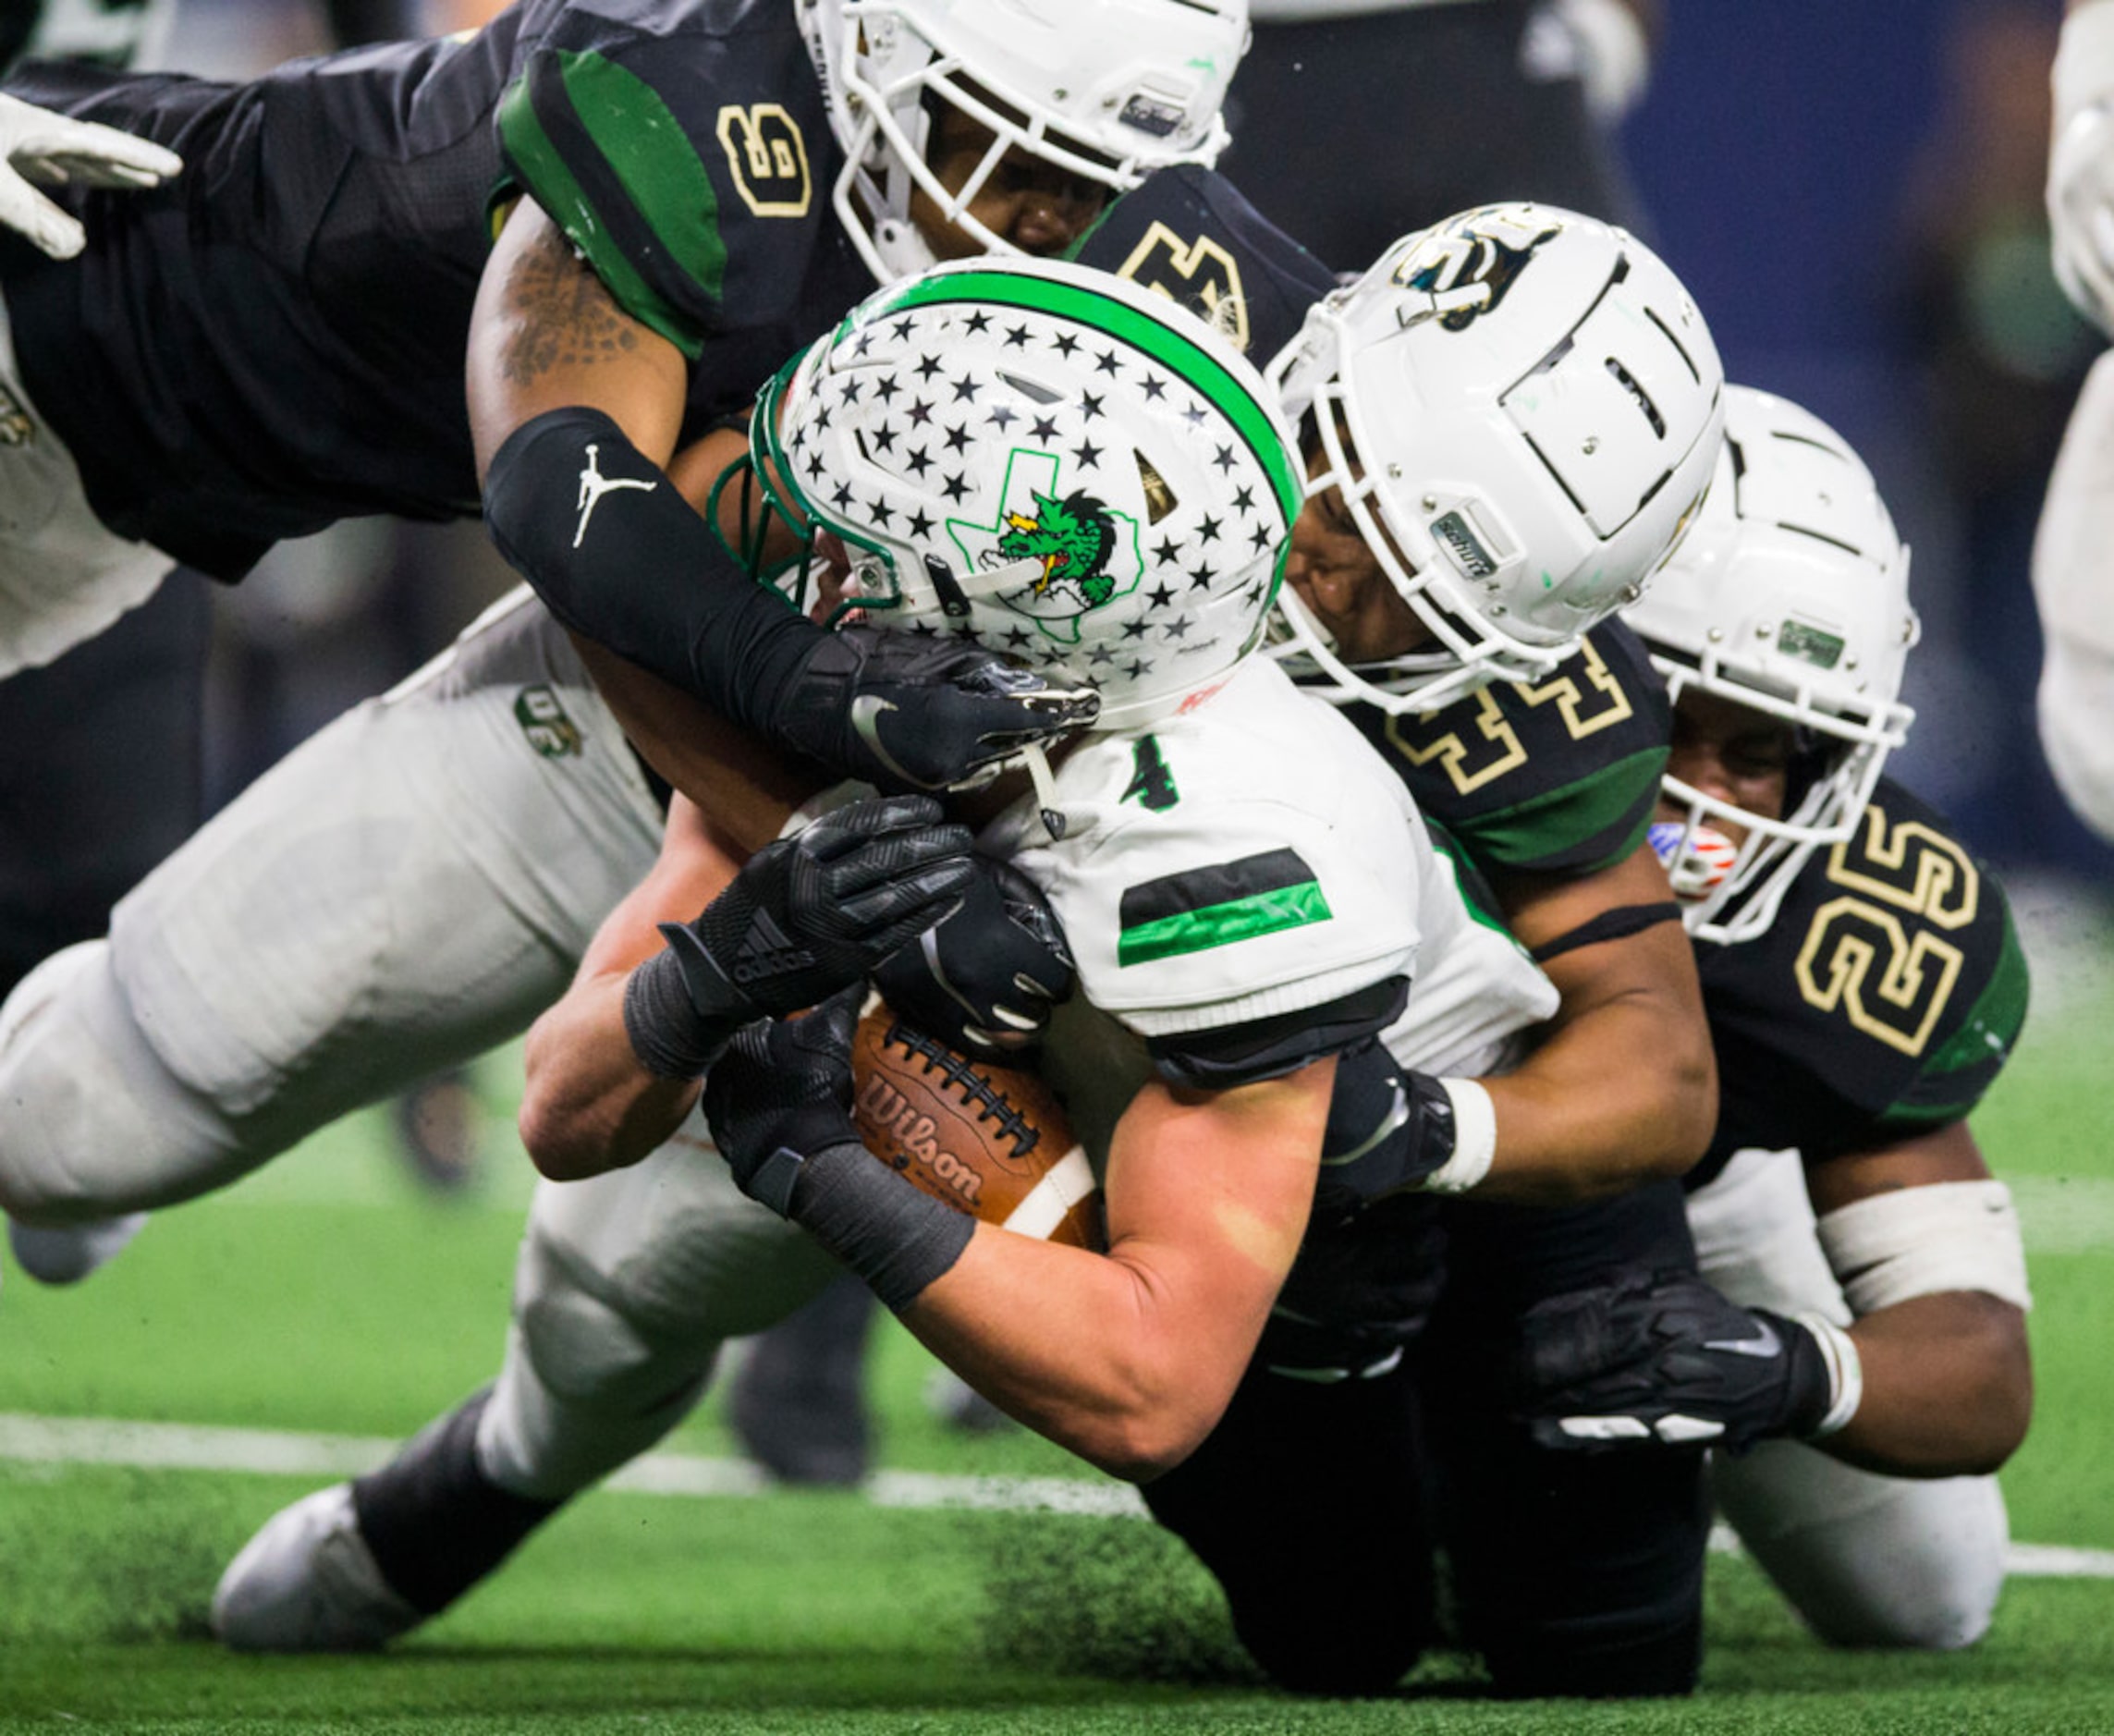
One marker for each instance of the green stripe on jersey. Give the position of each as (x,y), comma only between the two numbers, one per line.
(1546,825)
(659,172)
(1996,1018)
(1187,360)
(1221,924)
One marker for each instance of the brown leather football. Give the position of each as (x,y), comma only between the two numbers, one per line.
(990,1141)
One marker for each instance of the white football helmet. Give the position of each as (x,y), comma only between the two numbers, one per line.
(1048,461)
(1789,597)
(1521,409)
(1106,90)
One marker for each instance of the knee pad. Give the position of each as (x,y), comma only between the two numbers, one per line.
(97,1124)
(1756,1241)
(583,1390)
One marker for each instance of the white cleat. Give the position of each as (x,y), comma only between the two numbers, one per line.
(306,1583)
(69,1255)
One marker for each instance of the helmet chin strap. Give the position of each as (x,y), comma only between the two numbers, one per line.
(1044,781)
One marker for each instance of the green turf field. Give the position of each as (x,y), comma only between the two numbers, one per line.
(329,1295)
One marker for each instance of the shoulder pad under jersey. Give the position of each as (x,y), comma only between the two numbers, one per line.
(1883,1000)
(1556,776)
(1188,233)
(684,151)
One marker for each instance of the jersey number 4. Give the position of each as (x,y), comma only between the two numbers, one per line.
(1151,783)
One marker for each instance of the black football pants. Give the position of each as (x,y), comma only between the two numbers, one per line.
(1321,1509)
(99,773)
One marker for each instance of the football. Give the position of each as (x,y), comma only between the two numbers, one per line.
(990,1141)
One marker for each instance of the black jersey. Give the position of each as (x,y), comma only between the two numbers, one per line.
(1555,777)
(1881,1003)
(275,340)
(1190,235)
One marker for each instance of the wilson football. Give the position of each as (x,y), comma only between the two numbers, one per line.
(990,1141)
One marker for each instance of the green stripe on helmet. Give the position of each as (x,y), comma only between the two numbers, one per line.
(1180,355)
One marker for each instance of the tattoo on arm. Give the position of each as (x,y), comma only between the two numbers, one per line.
(560,313)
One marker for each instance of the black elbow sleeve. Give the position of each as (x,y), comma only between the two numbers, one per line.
(619,557)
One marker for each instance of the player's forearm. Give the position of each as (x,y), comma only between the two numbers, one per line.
(575,408)
(1624,1094)
(1130,1359)
(748,786)
(1948,1387)
(1098,1354)
(589,1106)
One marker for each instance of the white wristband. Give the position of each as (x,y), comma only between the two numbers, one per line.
(1474,1138)
(1845,1373)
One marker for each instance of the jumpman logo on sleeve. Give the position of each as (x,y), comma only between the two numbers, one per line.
(593,486)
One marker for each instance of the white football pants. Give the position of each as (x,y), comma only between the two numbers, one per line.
(2073,583)
(409,886)
(1866,1560)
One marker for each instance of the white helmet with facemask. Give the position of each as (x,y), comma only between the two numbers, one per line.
(1050,461)
(1789,597)
(1521,409)
(1108,91)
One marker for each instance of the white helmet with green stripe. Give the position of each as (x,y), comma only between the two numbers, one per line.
(1048,461)
(1108,91)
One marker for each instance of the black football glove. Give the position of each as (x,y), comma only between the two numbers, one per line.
(1389,1129)
(915,711)
(781,1094)
(806,916)
(1658,1360)
(987,979)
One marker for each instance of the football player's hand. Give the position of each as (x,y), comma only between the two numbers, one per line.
(2081,164)
(36,145)
(1654,1360)
(815,913)
(987,979)
(1389,1131)
(912,711)
(780,1094)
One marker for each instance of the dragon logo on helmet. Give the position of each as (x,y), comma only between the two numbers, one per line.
(1087,551)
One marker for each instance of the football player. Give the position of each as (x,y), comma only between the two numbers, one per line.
(600,1367)
(438,858)
(2069,582)
(1865,987)
(1236,926)
(304,355)
(1570,1579)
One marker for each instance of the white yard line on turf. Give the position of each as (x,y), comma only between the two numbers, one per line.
(188,1447)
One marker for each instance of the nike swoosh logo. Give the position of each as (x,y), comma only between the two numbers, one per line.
(1764,1343)
(866,712)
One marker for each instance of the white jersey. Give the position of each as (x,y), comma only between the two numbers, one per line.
(1250,858)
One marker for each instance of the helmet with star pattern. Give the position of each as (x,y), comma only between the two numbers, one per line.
(1048,461)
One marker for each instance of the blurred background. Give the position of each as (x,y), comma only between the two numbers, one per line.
(1854,194)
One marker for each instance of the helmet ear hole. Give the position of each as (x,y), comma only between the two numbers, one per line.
(1159,498)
